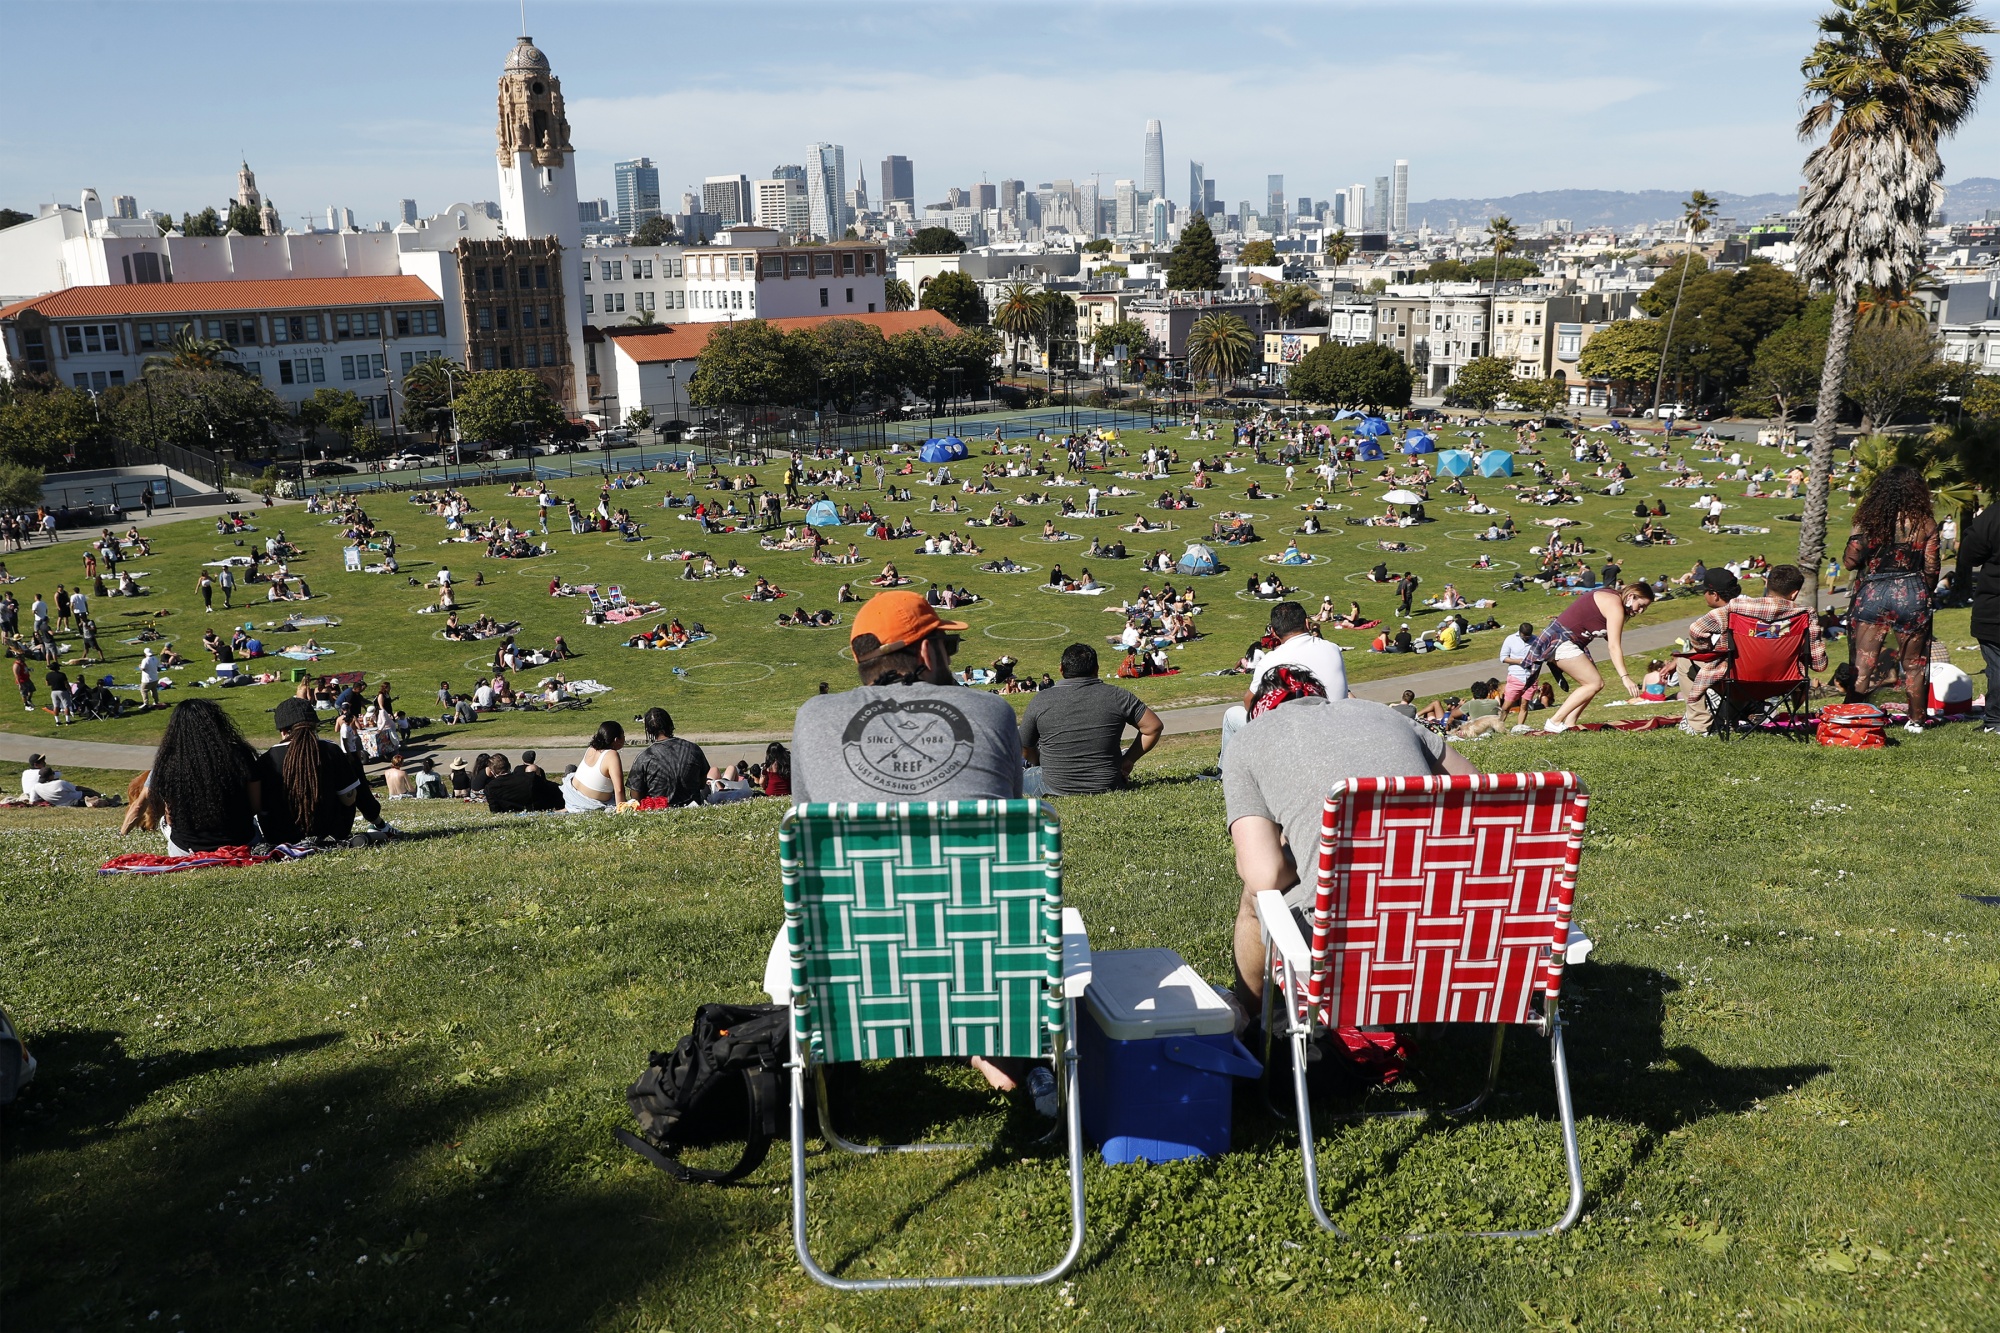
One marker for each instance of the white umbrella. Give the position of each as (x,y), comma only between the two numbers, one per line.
(1402,498)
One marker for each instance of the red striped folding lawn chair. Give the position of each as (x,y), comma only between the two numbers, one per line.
(1440,900)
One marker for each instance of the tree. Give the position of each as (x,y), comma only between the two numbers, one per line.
(1218,346)
(935,366)
(1339,247)
(655,230)
(1293,299)
(1695,215)
(1892,368)
(638,419)
(338,410)
(244,220)
(1626,353)
(847,361)
(1196,263)
(1018,315)
(196,405)
(1099,246)
(1057,329)
(1724,317)
(1257,254)
(510,406)
(749,363)
(897,294)
(1129,334)
(1500,230)
(1539,394)
(43,425)
(1982,398)
(1481,382)
(1886,81)
(1479,270)
(20,487)
(428,390)
(205,223)
(13,217)
(935,241)
(644,319)
(956,297)
(1784,374)
(1364,375)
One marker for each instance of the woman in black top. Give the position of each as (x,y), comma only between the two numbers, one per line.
(311,784)
(205,777)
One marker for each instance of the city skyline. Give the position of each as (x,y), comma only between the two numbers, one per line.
(1572,75)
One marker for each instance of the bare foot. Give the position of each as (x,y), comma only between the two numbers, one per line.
(996,1076)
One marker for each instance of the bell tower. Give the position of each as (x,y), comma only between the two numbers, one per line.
(538,181)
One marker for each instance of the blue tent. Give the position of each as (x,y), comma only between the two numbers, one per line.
(823,515)
(1372,426)
(1345,414)
(950,449)
(1416,442)
(1454,463)
(1370,452)
(1197,559)
(1497,463)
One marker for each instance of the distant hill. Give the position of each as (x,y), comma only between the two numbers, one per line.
(1967,201)
(1593,208)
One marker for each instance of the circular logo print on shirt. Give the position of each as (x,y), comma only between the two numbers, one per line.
(908,747)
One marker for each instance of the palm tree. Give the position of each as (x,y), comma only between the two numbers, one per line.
(1339,247)
(896,293)
(432,379)
(1695,215)
(1293,299)
(1018,315)
(1503,233)
(190,351)
(644,319)
(1218,346)
(1885,82)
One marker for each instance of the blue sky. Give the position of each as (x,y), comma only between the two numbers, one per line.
(361,104)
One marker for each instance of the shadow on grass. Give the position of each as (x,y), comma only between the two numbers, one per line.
(382,1193)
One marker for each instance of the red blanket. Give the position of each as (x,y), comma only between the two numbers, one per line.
(144,863)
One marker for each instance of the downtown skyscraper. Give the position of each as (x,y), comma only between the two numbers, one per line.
(826,190)
(1153,179)
(638,191)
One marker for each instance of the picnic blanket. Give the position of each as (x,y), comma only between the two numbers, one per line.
(305,654)
(144,863)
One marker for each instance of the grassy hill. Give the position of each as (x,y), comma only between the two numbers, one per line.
(376,1089)
(752,675)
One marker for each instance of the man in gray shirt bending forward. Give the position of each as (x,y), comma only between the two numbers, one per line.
(1275,778)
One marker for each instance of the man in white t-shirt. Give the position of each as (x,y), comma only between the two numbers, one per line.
(482,698)
(41,782)
(1090,506)
(1296,648)
(149,678)
(1513,656)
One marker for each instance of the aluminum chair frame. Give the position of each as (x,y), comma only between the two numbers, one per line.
(1299,976)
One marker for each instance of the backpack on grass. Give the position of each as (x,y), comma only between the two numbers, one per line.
(1852,726)
(724,1081)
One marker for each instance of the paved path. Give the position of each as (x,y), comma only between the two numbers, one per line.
(728,748)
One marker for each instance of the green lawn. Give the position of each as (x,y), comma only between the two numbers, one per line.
(376,1089)
(751,677)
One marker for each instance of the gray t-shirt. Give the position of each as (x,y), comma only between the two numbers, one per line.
(1078,729)
(906,743)
(1282,765)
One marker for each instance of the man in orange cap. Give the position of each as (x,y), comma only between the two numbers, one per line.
(911,732)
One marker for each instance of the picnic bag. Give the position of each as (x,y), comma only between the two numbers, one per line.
(1852,726)
(724,1081)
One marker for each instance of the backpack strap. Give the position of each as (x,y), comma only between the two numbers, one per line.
(760,1126)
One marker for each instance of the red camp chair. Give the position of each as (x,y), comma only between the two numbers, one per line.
(1769,662)
(1440,900)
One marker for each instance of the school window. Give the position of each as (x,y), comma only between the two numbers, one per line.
(409,361)
(531,356)
(871,307)
(604,269)
(736,300)
(823,264)
(499,316)
(312,328)
(479,279)
(145,335)
(73,338)
(548,354)
(486,317)
(822,296)
(319,370)
(506,358)
(847,265)
(541,275)
(339,327)
(430,321)
(618,270)
(284,372)
(347,367)
(373,321)
(215,330)
(680,268)
(799,265)
(525,274)
(868,262)
(614,303)
(642,268)
(486,359)
(402,323)
(255,370)
(850,296)
(589,304)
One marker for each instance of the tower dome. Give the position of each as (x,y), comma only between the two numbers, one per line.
(527,56)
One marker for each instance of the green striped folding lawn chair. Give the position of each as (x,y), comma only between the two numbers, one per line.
(925,930)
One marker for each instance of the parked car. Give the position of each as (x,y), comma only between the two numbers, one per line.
(606,438)
(332,470)
(1710,412)
(1426,414)
(706,430)
(1667,411)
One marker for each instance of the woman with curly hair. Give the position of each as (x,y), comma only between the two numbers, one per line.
(1894,556)
(204,782)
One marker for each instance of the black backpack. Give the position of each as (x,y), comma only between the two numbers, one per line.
(724,1081)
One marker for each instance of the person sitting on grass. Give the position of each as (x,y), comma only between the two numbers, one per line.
(520,790)
(1481,714)
(669,766)
(599,780)
(43,784)
(1275,778)
(1072,735)
(309,786)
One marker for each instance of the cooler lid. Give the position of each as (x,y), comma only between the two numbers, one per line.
(1137,994)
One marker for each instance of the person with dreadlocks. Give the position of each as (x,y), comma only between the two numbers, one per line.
(1894,555)
(310,785)
(205,781)
(1275,777)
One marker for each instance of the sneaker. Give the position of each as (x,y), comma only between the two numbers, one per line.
(1990,729)
(1554,726)
(1042,1087)
(1914,728)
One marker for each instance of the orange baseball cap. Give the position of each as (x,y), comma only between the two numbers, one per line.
(898,620)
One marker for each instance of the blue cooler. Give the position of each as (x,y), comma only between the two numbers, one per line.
(1156,1052)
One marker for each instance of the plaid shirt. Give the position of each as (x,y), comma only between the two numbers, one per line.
(1712,631)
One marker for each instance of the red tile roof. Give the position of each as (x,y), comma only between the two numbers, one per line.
(175,298)
(683,342)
